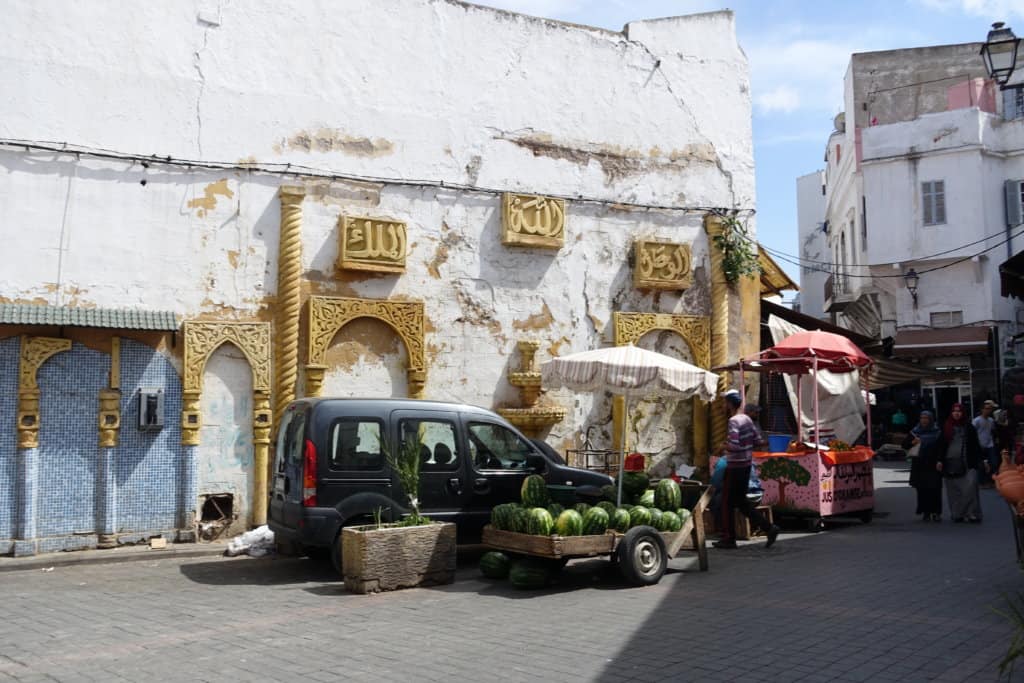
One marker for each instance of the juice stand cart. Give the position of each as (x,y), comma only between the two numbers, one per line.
(812,479)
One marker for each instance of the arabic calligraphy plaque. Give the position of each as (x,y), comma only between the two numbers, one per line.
(661,265)
(374,244)
(532,221)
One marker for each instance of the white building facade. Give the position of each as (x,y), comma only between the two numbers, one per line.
(918,172)
(189,176)
(814,248)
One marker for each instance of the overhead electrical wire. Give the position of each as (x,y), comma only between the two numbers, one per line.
(300,171)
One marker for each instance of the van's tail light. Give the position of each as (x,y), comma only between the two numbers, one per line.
(309,475)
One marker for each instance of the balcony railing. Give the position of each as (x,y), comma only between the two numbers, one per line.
(837,292)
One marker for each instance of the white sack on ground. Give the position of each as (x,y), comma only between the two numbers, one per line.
(255,543)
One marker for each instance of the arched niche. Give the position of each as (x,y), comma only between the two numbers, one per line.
(327,315)
(696,332)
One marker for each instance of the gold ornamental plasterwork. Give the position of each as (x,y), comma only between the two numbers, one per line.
(532,221)
(327,315)
(34,351)
(203,338)
(694,329)
(661,265)
(374,244)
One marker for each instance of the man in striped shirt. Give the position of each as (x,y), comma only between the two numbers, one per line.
(738,453)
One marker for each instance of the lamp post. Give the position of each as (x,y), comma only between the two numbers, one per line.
(911,278)
(999,51)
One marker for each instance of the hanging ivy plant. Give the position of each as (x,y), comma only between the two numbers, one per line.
(739,252)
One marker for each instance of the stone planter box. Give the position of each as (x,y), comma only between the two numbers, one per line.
(393,557)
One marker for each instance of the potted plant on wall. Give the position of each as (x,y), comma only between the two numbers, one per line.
(411,552)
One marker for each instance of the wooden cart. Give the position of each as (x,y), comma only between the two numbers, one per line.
(642,552)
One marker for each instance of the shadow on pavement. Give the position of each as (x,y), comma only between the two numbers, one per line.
(263,571)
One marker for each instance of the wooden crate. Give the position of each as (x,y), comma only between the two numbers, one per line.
(549,546)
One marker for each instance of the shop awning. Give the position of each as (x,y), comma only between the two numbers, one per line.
(66,316)
(773,279)
(953,341)
(1011,276)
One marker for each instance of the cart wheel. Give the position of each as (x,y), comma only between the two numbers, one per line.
(642,556)
(816,524)
(866,516)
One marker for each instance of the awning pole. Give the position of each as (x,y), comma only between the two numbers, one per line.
(799,408)
(817,427)
(622,448)
(867,399)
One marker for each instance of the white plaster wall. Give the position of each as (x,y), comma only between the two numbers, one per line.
(394,89)
(810,213)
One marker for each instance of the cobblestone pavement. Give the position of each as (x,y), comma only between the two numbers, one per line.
(896,600)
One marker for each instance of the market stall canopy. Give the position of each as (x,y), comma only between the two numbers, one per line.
(629,371)
(950,341)
(833,352)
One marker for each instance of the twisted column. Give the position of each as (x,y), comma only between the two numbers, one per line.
(286,320)
(719,330)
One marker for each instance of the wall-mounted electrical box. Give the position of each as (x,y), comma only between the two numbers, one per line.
(151,409)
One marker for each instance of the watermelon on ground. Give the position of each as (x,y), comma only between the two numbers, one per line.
(668,495)
(620,520)
(534,492)
(539,522)
(495,565)
(569,523)
(639,516)
(528,573)
(647,499)
(595,522)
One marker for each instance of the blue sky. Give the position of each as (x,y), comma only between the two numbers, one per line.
(798,52)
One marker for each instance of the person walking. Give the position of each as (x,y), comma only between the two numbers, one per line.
(959,466)
(738,452)
(984,425)
(925,475)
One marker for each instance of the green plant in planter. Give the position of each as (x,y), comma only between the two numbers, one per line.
(739,252)
(406,464)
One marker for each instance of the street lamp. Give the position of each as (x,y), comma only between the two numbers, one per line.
(911,278)
(1000,53)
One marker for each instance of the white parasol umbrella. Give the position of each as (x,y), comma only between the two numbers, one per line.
(631,372)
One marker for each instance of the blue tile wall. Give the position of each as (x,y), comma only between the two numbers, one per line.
(9,350)
(69,383)
(150,466)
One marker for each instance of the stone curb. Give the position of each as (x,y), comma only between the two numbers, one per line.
(139,553)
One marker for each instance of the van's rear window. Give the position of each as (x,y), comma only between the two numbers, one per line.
(355,444)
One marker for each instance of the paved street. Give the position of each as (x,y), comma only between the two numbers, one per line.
(893,601)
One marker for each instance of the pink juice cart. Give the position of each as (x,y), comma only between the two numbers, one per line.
(813,480)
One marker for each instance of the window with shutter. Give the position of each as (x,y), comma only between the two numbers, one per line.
(933,202)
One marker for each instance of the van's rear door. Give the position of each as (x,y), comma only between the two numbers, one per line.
(286,492)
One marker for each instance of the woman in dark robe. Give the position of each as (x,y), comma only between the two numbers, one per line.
(925,475)
(960,460)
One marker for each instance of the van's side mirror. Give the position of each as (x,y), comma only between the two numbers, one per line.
(536,462)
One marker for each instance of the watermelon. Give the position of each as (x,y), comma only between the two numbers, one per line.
(503,516)
(569,523)
(609,493)
(668,495)
(620,520)
(529,573)
(534,492)
(684,514)
(655,517)
(639,516)
(538,522)
(647,499)
(635,483)
(519,520)
(670,522)
(595,522)
(581,508)
(554,510)
(607,507)
(494,565)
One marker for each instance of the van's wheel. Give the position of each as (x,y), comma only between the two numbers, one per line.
(642,556)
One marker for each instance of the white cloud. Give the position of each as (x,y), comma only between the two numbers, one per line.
(783,98)
(994,10)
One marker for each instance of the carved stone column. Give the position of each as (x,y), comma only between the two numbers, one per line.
(109,424)
(719,328)
(417,380)
(262,419)
(289,302)
(191,416)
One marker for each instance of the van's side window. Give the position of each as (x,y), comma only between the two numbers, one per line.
(356,444)
(289,439)
(494,447)
(438,452)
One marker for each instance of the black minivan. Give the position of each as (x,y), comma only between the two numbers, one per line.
(330,470)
